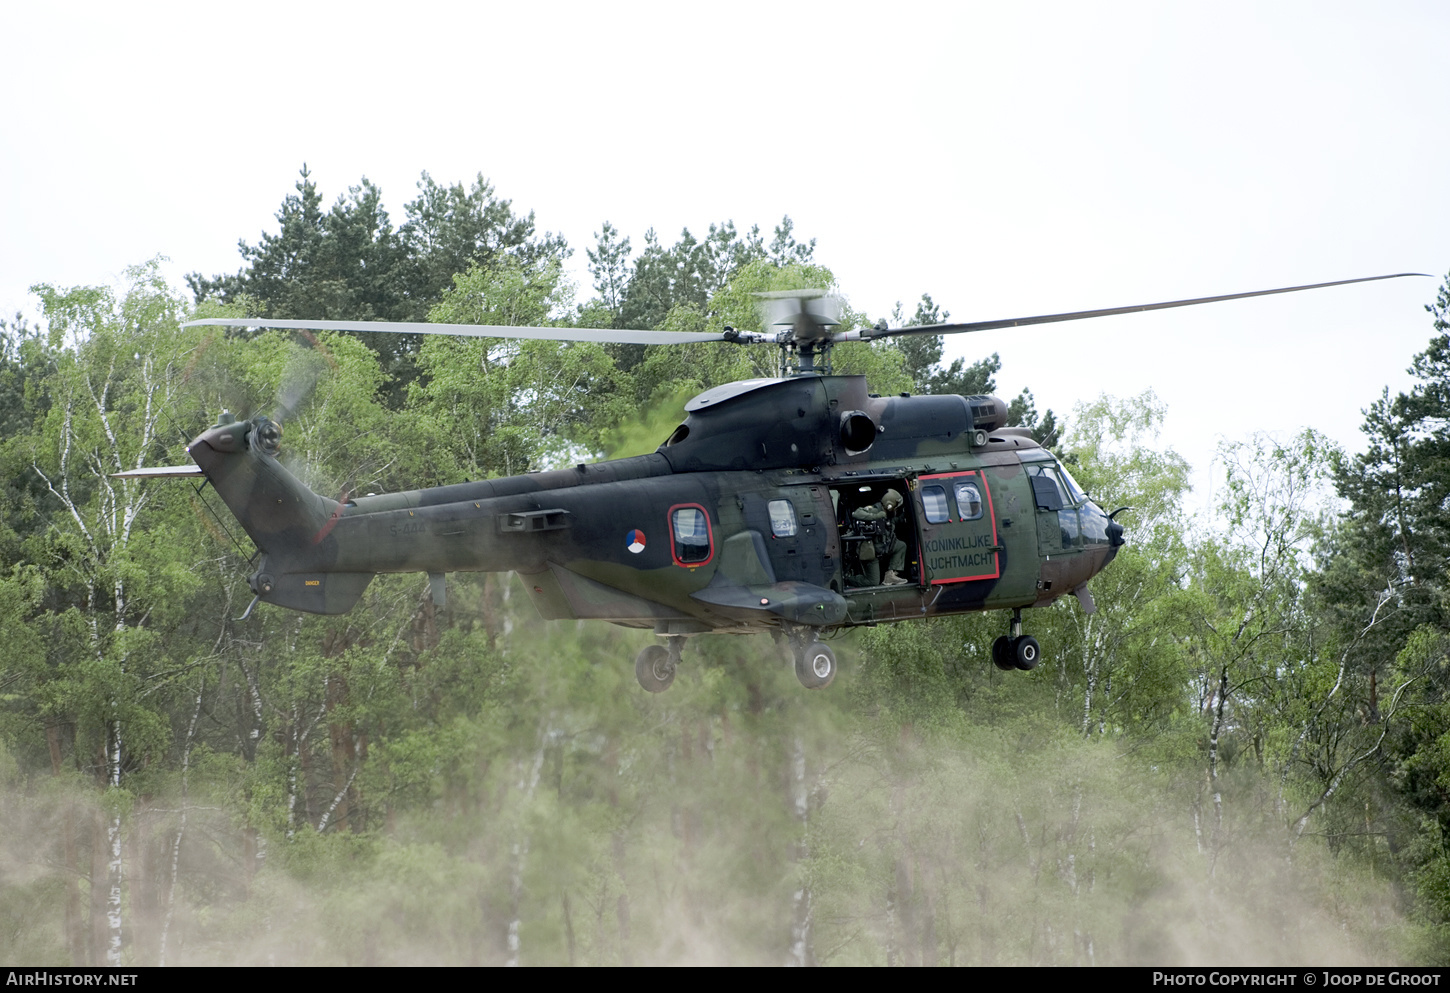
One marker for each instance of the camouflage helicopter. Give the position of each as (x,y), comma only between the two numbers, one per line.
(772,507)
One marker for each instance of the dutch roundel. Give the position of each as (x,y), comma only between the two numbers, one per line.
(634,541)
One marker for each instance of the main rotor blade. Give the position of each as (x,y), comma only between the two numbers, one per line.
(1080,315)
(160,472)
(625,336)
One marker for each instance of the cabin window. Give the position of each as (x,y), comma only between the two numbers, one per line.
(782,519)
(934,502)
(969,501)
(692,535)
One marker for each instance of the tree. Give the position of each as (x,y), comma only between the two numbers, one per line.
(692,272)
(349,263)
(1124,657)
(346,263)
(1385,590)
(784,249)
(609,265)
(665,278)
(1248,608)
(26,361)
(506,406)
(114,585)
(450,229)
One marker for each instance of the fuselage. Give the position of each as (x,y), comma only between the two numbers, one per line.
(742,520)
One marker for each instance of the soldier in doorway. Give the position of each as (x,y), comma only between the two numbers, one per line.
(886,544)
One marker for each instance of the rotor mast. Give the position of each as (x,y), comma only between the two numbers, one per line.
(810,318)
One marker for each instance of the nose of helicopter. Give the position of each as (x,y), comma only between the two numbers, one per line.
(1108,532)
(1114,534)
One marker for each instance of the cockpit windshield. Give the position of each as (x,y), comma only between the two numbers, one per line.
(1075,491)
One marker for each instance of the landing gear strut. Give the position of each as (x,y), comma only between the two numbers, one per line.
(1016,651)
(654,667)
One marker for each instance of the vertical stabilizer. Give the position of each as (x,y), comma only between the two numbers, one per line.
(287,521)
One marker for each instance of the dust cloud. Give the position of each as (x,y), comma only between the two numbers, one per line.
(735,820)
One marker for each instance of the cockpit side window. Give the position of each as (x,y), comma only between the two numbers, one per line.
(1047,484)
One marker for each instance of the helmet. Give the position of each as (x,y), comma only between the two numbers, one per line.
(890,500)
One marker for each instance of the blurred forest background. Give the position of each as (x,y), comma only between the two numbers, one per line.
(1243,756)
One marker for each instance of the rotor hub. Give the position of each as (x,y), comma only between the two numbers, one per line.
(267,436)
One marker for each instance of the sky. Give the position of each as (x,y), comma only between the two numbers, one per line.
(1009,159)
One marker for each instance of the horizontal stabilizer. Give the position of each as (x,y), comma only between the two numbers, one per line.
(160,472)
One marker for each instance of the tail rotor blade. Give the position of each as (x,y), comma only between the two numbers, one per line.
(299,380)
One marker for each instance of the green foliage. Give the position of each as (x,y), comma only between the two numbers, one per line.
(647,429)
(503,405)
(350,263)
(609,265)
(692,272)
(1383,590)
(922,353)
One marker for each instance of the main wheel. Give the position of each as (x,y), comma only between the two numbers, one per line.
(653,669)
(1026,653)
(815,666)
(1002,654)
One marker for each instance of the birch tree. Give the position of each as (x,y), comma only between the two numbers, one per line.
(1247,608)
(1122,658)
(120,362)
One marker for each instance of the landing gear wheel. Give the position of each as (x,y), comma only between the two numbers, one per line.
(1026,653)
(1002,656)
(654,669)
(815,665)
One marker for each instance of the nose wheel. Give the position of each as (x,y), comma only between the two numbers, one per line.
(1017,650)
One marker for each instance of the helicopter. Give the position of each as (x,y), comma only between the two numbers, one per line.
(770,508)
